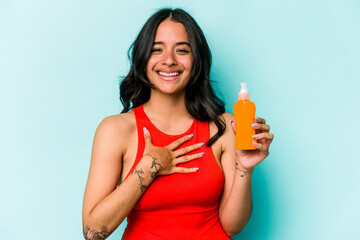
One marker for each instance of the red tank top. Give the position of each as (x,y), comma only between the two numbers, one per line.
(182,205)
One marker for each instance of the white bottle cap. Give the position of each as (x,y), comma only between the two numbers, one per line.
(243,93)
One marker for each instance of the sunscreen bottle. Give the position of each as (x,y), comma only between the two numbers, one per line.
(244,112)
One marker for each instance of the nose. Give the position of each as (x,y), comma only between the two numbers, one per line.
(169,58)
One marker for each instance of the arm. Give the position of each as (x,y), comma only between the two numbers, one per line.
(106,206)
(235,203)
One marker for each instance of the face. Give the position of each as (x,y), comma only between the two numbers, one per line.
(170,63)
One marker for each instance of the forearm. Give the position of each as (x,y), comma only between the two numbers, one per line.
(109,213)
(235,212)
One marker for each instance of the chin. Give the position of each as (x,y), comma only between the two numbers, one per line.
(168,90)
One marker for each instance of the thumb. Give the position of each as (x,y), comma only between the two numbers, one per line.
(232,123)
(147,137)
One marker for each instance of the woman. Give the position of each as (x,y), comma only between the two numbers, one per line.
(181,177)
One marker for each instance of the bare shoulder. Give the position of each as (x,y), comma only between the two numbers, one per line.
(227,117)
(118,124)
(228,137)
(226,140)
(116,129)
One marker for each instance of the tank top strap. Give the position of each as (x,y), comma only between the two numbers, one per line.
(140,119)
(202,131)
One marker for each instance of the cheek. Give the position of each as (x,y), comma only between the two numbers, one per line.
(150,64)
(187,63)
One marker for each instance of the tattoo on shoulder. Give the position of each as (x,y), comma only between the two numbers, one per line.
(91,234)
(243,173)
(141,179)
(154,165)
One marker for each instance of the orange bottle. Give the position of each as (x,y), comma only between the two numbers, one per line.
(244,112)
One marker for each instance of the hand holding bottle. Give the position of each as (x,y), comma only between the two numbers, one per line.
(246,160)
(252,138)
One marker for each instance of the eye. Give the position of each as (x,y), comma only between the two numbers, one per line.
(155,50)
(183,51)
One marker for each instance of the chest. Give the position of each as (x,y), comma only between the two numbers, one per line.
(186,190)
(132,148)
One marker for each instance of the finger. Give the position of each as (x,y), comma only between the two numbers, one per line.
(184,170)
(262,147)
(261,127)
(188,158)
(260,120)
(267,136)
(188,149)
(179,141)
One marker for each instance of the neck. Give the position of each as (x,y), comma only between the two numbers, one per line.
(168,112)
(167,107)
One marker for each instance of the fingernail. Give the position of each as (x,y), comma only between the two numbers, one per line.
(145,130)
(195,169)
(190,136)
(255,144)
(256,119)
(255,136)
(201,154)
(254,125)
(200,144)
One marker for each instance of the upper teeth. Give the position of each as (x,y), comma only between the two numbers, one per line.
(168,74)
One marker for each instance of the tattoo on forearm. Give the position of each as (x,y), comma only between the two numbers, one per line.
(91,234)
(154,165)
(243,173)
(141,179)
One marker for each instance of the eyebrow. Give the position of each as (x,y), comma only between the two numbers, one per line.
(178,43)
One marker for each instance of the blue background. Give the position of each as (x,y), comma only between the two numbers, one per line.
(59,68)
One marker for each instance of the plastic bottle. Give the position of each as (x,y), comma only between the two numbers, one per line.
(244,112)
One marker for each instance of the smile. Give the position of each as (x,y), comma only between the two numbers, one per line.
(168,74)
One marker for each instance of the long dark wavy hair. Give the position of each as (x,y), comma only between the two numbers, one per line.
(200,99)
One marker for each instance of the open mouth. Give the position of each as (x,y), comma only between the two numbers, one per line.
(169,74)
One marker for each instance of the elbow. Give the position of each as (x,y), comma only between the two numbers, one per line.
(233,226)
(90,234)
(234,230)
(93,230)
